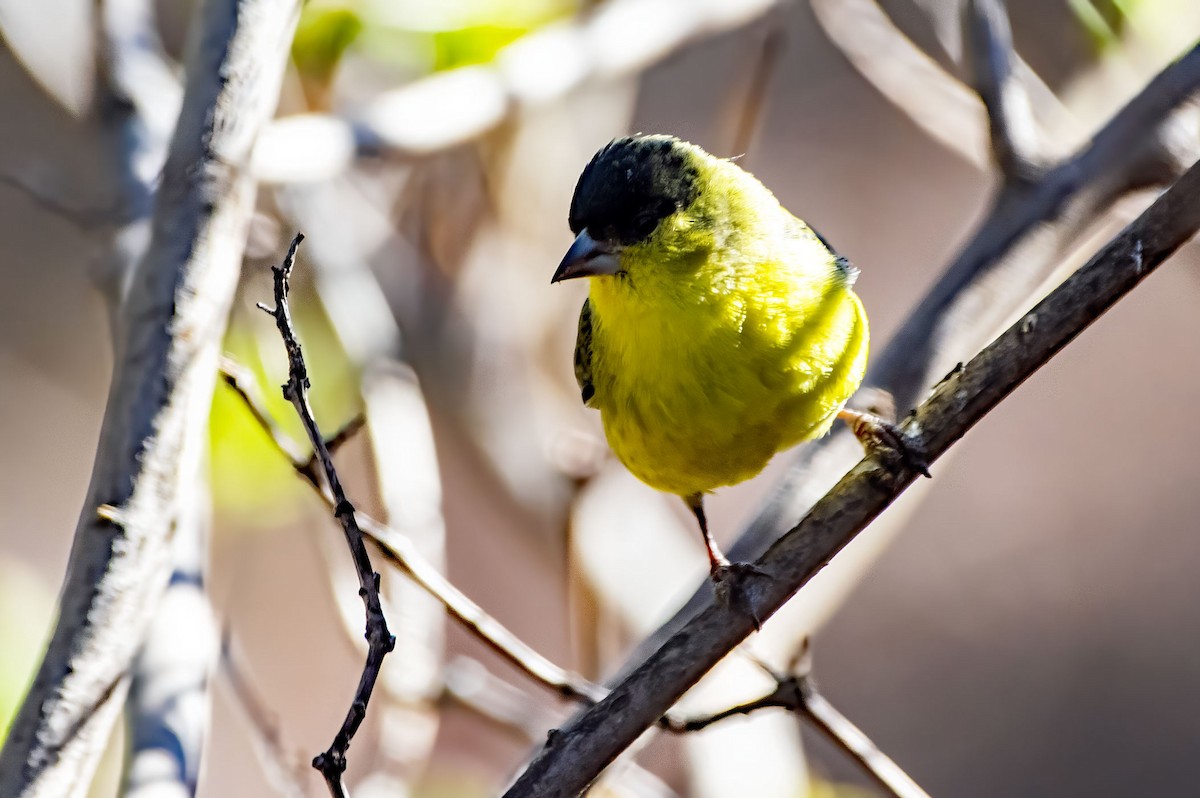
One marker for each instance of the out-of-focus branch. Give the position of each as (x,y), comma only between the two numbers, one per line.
(284,768)
(932,98)
(136,102)
(745,108)
(151,444)
(169,699)
(984,286)
(577,753)
(401,553)
(332,762)
(936,101)
(467,683)
(620,38)
(1014,135)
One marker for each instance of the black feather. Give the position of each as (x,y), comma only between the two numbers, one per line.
(583,354)
(630,186)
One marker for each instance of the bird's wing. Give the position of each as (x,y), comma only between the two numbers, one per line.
(583,355)
(842,267)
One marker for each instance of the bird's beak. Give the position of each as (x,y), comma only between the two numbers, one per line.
(587,258)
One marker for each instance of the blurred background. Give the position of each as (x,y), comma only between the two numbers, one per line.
(1027,629)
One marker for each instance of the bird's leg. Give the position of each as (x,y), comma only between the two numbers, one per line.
(716,559)
(878,436)
(728,578)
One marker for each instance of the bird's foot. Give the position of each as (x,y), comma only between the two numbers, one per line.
(731,585)
(886,441)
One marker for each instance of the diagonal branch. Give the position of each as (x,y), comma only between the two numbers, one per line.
(167,337)
(577,753)
(332,763)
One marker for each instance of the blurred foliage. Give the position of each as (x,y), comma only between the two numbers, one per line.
(26,604)
(413,35)
(1105,21)
(322,37)
(828,789)
(251,480)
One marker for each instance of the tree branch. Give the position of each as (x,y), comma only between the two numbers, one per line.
(575,755)
(332,763)
(167,338)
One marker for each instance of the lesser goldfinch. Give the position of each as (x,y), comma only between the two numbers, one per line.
(718,330)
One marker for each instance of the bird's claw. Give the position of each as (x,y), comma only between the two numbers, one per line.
(730,583)
(888,441)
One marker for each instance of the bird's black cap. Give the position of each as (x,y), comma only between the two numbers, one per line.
(630,186)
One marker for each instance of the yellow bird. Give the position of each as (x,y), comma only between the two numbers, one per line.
(719,329)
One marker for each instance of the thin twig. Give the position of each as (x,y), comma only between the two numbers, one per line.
(283,767)
(400,552)
(332,762)
(594,737)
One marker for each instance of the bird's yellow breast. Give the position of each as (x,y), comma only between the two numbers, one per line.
(700,380)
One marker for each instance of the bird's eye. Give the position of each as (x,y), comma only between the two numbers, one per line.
(644,223)
(647,219)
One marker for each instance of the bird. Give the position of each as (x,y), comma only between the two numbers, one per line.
(719,329)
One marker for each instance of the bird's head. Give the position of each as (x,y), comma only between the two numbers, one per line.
(636,208)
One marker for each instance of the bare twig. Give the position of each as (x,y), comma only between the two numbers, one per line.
(332,763)
(283,767)
(400,552)
(166,342)
(577,753)
(1014,133)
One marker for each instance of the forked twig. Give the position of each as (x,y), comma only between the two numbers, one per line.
(401,553)
(796,691)
(332,762)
